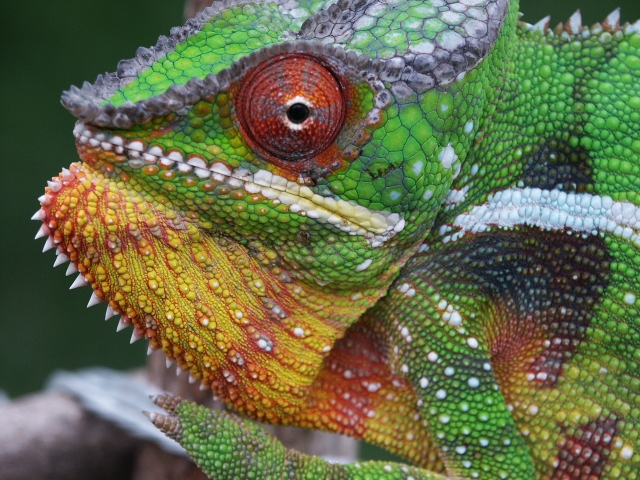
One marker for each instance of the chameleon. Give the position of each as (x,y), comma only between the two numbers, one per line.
(412,222)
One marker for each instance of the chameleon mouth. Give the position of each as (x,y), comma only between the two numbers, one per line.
(354,219)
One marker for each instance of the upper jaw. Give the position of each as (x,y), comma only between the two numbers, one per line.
(349,217)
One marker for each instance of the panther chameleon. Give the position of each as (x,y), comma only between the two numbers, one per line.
(412,222)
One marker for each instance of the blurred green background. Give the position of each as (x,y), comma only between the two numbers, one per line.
(45,47)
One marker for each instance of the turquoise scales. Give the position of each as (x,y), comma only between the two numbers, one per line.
(477,174)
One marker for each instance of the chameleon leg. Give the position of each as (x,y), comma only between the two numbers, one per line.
(448,360)
(227,446)
(511,354)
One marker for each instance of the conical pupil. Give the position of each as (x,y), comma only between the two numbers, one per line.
(298,112)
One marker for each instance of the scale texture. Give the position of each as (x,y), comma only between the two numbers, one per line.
(416,223)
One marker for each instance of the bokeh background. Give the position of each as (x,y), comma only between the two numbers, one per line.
(45,46)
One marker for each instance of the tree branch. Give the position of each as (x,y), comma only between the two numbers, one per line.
(194,6)
(50,436)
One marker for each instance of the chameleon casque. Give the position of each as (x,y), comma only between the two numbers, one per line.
(412,222)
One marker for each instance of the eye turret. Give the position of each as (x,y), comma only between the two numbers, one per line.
(290,109)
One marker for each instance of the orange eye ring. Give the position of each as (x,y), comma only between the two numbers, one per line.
(290,109)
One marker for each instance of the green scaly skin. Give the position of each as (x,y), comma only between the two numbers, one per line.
(454,276)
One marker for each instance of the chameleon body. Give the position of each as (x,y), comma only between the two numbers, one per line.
(412,222)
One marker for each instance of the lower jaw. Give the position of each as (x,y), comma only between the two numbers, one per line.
(252,335)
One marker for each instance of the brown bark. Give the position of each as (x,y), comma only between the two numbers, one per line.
(50,436)
(194,6)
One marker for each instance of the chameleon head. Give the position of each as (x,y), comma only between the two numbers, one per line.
(253,182)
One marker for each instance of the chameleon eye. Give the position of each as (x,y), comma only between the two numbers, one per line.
(290,109)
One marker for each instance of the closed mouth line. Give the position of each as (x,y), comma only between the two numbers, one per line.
(348,216)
